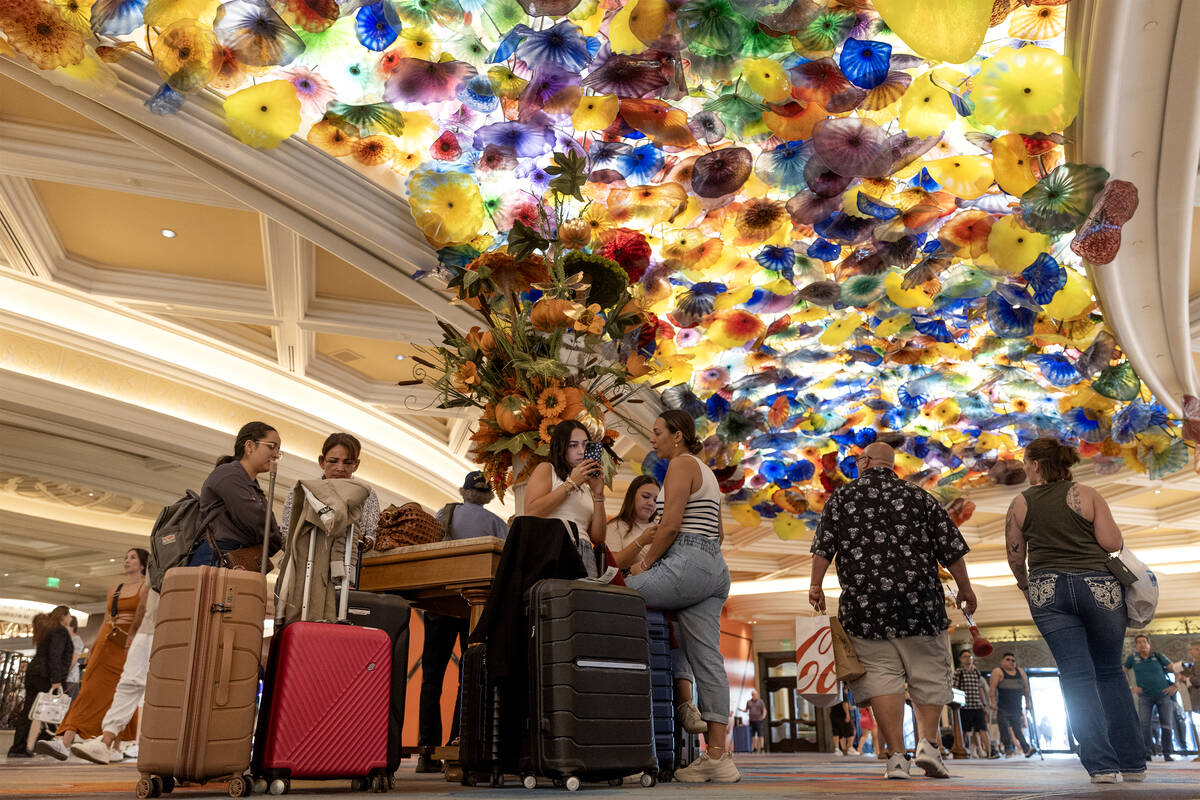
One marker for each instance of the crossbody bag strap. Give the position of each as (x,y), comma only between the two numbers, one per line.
(116,597)
(212,542)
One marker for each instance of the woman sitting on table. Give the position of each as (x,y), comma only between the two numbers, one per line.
(570,488)
(685,570)
(339,459)
(629,533)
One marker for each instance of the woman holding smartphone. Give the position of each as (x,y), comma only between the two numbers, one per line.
(570,487)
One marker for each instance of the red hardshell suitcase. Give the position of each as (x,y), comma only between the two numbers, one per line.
(325,706)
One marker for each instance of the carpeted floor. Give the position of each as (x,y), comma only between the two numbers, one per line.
(781,776)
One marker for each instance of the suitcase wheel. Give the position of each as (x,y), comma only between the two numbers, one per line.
(238,786)
(497,779)
(280,786)
(358,784)
(648,780)
(379,783)
(168,784)
(529,782)
(615,781)
(148,786)
(260,786)
(572,784)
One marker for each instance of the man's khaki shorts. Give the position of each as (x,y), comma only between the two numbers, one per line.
(922,663)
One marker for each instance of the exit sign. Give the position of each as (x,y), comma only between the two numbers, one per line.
(52,583)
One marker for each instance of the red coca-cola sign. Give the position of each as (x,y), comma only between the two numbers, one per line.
(816,670)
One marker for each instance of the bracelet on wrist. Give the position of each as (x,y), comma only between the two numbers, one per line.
(571,485)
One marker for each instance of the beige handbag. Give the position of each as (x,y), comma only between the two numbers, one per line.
(849,668)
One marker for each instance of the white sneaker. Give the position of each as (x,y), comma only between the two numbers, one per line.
(897,766)
(705,769)
(51,747)
(1105,777)
(689,717)
(853,752)
(929,758)
(93,750)
(1133,777)
(129,750)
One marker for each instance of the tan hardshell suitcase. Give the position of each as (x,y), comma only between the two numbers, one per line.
(203,680)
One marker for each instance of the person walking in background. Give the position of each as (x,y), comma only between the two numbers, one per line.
(465,520)
(756,714)
(86,713)
(685,571)
(1009,687)
(842,727)
(630,532)
(888,537)
(47,672)
(1188,675)
(973,713)
(1155,692)
(72,685)
(232,492)
(340,459)
(1067,531)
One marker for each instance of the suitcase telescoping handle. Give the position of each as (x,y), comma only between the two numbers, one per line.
(266,544)
(344,601)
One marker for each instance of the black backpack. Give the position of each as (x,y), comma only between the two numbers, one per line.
(176,531)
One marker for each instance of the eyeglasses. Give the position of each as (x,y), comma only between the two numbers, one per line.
(272,446)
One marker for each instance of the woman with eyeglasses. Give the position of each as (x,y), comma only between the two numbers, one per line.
(339,459)
(570,487)
(232,492)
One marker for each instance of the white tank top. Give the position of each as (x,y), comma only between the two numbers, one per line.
(577,508)
(703,509)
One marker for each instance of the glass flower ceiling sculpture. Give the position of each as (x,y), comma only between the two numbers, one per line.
(843,219)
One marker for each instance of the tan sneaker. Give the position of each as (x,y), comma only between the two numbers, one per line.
(705,770)
(689,717)
(93,750)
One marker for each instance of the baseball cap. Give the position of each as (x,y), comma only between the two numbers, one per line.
(475,480)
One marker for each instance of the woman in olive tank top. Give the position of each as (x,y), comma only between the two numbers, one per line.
(1066,532)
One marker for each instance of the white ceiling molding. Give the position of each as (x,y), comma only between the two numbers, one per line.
(371,320)
(291,266)
(1140,119)
(295,184)
(148,343)
(50,153)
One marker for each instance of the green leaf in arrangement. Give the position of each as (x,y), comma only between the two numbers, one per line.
(524,240)
(570,171)
(548,368)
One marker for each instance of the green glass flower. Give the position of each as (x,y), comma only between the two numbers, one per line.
(1061,201)
(1119,382)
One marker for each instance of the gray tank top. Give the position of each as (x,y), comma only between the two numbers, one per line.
(1055,535)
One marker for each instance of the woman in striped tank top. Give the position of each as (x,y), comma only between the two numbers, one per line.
(685,571)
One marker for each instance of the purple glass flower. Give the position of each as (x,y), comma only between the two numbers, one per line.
(562,45)
(522,139)
(416,80)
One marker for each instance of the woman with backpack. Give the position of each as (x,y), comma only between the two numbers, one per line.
(234,501)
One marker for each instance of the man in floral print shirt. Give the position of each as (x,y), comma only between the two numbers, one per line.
(888,537)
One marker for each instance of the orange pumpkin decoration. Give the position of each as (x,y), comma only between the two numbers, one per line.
(574,402)
(515,414)
(550,314)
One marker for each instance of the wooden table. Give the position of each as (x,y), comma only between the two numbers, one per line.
(452,578)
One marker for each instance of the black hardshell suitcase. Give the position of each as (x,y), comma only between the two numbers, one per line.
(390,614)
(589,667)
(662,692)
(479,721)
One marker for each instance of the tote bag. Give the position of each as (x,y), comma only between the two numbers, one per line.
(1141,587)
(816,667)
(50,707)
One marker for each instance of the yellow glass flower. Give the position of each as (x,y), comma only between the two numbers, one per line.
(1030,90)
(337,140)
(187,55)
(1073,300)
(447,206)
(925,108)
(940,30)
(839,331)
(789,528)
(597,218)
(905,298)
(77,13)
(1037,23)
(506,83)
(1013,246)
(91,77)
(965,176)
(621,37)
(162,13)
(263,115)
(745,514)
(39,32)
(767,77)
(1012,164)
(946,412)
(595,112)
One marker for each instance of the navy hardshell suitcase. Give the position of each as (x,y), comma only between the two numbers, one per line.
(479,721)
(590,685)
(662,692)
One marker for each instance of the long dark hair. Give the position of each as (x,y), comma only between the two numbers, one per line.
(44,624)
(678,421)
(250,432)
(628,513)
(560,439)
(143,557)
(1053,458)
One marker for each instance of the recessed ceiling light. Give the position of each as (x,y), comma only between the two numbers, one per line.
(91,494)
(1158,491)
(77,586)
(400,356)
(112,561)
(167,233)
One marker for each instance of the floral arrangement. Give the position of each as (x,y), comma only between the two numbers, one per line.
(560,334)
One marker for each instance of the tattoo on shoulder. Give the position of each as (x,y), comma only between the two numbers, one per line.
(1074,501)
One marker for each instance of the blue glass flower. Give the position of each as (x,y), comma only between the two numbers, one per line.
(477,95)
(774,472)
(377,26)
(117,17)
(1081,422)
(1130,421)
(640,164)
(716,407)
(165,101)
(801,470)
(865,63)
(783,166)
(1046,276)
(1056,368)
(523,139)
(1011,312)
(655,467)
(824,250)
(872,207)
(777,259)
(562,44)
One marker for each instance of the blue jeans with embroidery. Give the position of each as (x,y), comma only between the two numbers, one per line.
(1082,617)
(693,579)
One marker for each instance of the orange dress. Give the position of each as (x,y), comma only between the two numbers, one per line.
(85,716)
